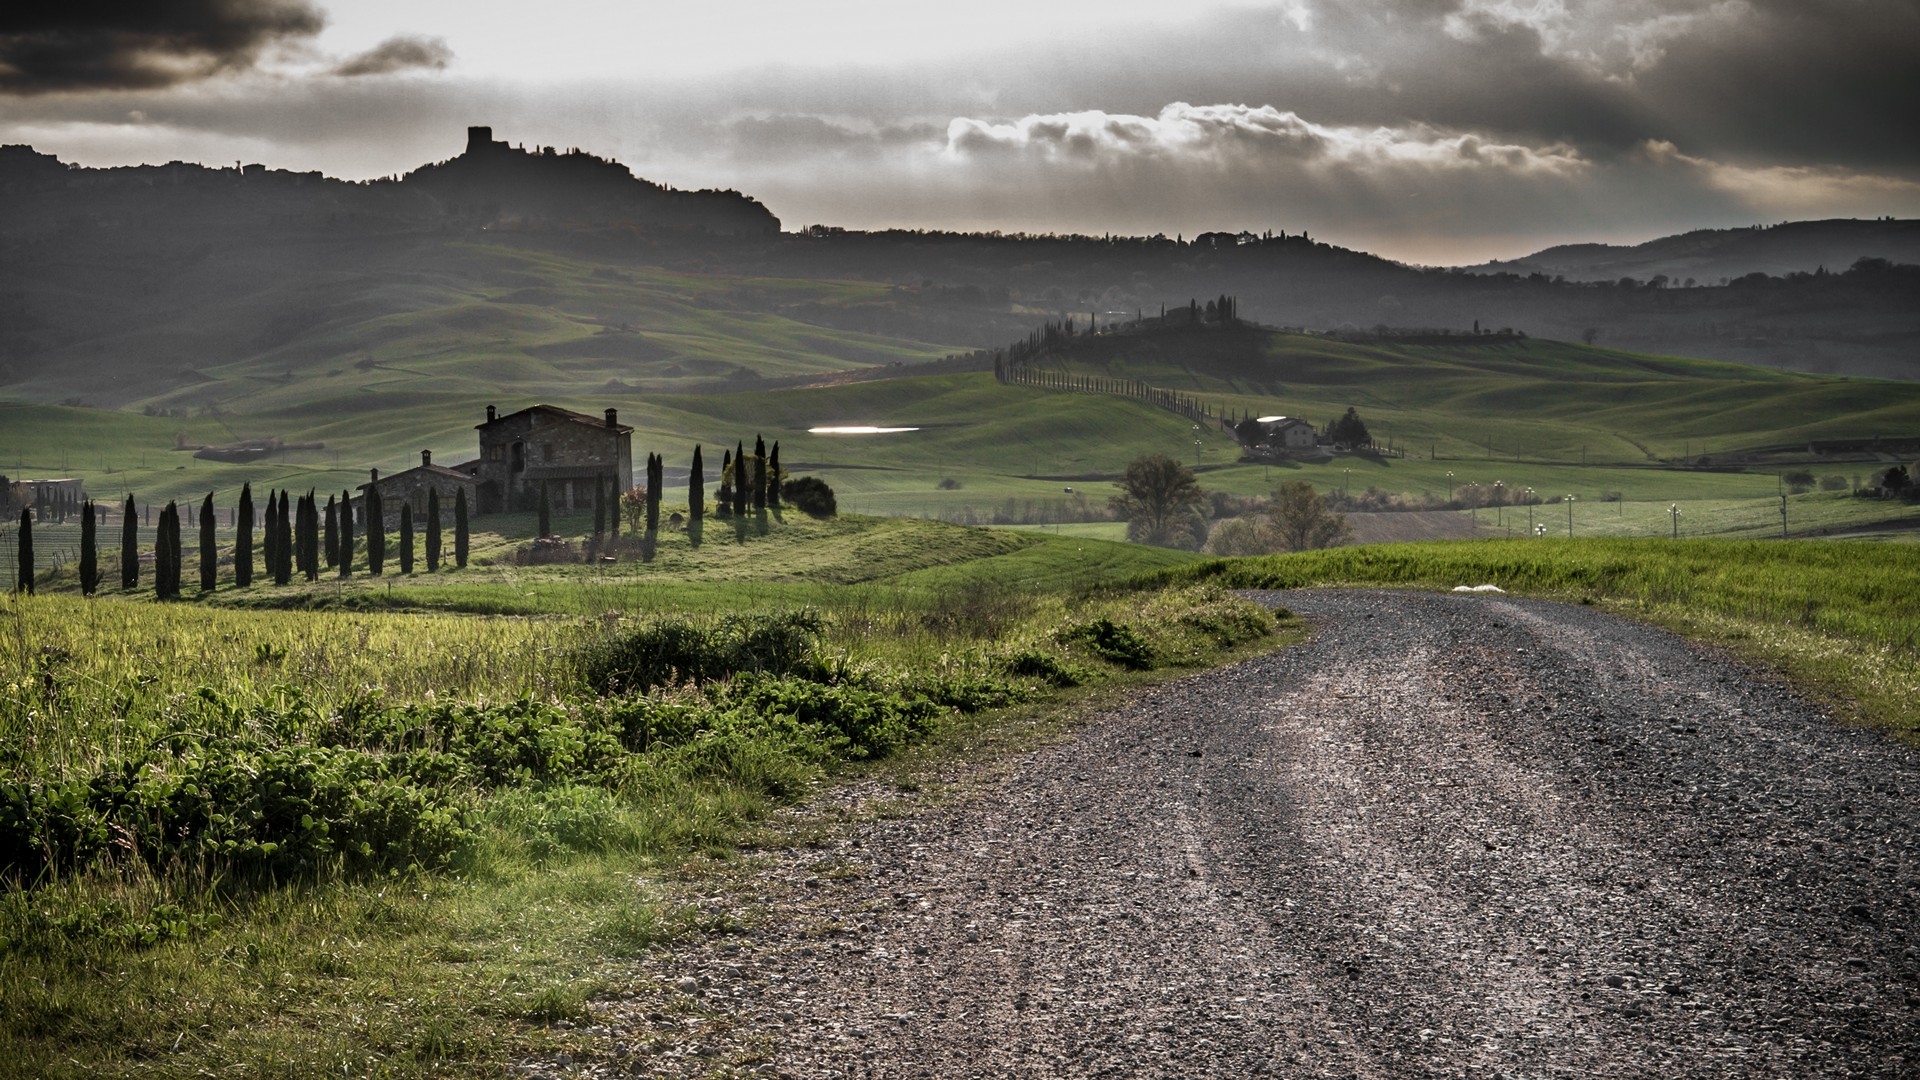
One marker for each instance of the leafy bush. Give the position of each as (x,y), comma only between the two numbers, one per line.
(810,495)
(1034,664)
(671,652)
(284,810)
(1113,642)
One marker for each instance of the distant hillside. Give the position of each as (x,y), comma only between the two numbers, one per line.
(1717,256)
(179,286)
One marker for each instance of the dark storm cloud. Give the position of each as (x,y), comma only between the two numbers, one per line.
(140,44)
(403,52)
(1801,80)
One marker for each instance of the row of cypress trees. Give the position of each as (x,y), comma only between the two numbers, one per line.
(291,535)
(749,481)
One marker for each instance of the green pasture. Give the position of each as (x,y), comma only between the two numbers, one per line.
(464,712)
(1514,400)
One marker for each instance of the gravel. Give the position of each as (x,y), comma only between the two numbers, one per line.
(1451,835)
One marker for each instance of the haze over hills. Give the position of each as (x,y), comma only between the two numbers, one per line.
(186,287)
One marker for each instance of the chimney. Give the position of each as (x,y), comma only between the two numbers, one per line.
(490,414)
(613,417)
(426,458)
(376,475)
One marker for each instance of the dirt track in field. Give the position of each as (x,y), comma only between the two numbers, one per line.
(1450,836)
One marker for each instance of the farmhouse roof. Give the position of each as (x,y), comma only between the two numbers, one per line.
(557,413)
(430,470)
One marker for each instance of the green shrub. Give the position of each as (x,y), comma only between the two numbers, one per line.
(673,651)
(810,495)
(1034,664)
(1113,642)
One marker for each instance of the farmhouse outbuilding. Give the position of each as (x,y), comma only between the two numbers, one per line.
(411,487)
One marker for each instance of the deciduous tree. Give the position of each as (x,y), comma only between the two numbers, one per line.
(1162,503)
(1301,520)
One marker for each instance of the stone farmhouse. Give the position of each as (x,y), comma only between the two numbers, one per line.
(567,451)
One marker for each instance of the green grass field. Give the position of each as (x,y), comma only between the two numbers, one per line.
(378,376)
(405,826)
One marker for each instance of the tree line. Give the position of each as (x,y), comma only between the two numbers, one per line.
(297,537)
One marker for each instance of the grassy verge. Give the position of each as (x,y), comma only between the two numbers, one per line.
(417,844)
(1838,618)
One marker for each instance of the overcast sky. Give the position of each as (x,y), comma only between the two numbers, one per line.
(1435,131)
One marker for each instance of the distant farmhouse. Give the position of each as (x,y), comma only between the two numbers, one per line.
(1278,436)
(569,452)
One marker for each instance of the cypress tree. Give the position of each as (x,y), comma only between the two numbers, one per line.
(23,580)
(299,544)
(723,498)
(773,476)
(546,512)
(376,531)
(166,582)
(742,480)
(243,539)
(176,546)
(209,551)
(599,508)
(346,534)
(282,541)
(656,478)
(613,507)
(160,559)
(89,552)
(129,545)
(406,538)
(270,536)
(333,534)
(696,489)
(309,544)
(460,528)
(433,529)
(759,473)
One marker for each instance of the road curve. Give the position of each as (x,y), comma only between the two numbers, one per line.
(1449,836)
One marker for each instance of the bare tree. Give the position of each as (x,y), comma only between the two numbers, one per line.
(1301,520)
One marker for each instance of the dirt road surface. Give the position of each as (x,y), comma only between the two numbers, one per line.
(1450,836)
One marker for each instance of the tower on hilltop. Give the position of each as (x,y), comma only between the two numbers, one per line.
(480,140)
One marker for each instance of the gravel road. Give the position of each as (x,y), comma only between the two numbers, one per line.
(1450,836)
